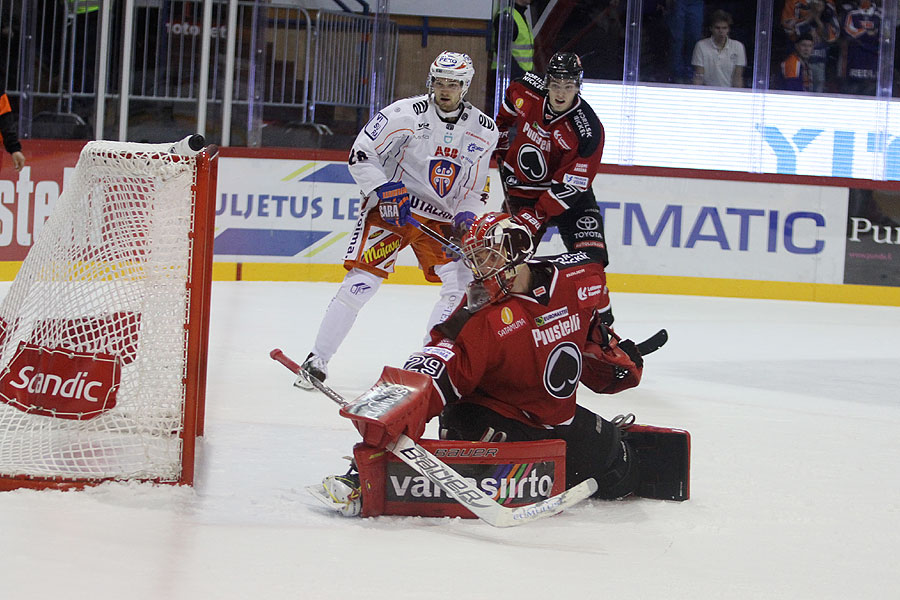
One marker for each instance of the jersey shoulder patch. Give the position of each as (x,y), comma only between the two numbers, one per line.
(375,126)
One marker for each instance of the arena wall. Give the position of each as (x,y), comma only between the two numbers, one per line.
(286,214)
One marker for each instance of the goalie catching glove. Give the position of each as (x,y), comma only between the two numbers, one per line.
(399,403)
(393,203)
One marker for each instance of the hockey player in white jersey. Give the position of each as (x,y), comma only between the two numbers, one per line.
(427,156)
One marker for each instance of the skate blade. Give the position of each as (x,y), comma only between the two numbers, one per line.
(318,492)
(303,381)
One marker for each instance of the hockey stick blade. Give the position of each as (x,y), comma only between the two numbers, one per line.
(455,485)
(654,342)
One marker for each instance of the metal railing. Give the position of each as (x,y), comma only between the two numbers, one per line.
(247,53)
(344,53)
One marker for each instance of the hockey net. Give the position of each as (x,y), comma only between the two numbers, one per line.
(103,332)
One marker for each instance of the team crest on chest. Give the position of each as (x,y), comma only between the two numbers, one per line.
(442,175)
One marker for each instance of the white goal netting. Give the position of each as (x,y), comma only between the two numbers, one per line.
(93,353)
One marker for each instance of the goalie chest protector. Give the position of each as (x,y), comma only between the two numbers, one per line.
(512,473)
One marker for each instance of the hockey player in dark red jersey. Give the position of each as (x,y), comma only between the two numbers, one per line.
(506,366)
(550,146)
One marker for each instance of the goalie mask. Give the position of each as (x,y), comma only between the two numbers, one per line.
(493,248)
(454,66)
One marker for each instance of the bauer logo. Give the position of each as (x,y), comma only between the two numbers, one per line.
(515,484)
(55,382)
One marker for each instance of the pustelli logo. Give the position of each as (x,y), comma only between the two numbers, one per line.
(508,484)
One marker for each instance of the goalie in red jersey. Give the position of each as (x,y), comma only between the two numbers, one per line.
(506,365)
(549,149)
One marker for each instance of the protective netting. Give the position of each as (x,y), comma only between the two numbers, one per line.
(106,280)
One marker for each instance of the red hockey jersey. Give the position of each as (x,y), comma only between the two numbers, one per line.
(521,357)
(552,158)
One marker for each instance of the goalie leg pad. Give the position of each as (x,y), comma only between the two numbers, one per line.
(514,474)
(664,459)
(594,445)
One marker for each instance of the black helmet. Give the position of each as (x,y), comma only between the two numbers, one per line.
(565,65)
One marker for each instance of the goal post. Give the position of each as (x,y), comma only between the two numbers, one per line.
(103,332)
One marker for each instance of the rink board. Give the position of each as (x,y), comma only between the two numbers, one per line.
(287,214)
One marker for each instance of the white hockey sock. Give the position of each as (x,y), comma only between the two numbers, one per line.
(357,288)
(455,276)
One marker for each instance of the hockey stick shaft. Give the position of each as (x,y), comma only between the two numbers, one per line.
(284,359)
(454,484)
(446,242)
(507,206)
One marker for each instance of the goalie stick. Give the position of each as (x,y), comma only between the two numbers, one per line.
(452,483)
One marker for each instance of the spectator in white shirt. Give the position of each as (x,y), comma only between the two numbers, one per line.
(718,60)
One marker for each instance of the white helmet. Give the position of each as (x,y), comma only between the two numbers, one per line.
(453,65)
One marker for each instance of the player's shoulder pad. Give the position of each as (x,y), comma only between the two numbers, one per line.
(454,324)
(472,115)
(403,110)
(416,105)
(587,127)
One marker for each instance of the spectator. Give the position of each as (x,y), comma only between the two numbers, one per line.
(862,38)
(795,71)
(686,27)
(8,132)
(819,19)
(521,48)
(655,59)
(718,60)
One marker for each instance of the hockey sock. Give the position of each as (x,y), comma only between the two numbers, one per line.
(454,277)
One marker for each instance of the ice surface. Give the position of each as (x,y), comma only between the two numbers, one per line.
(793,410)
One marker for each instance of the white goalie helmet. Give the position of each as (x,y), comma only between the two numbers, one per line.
(455,66)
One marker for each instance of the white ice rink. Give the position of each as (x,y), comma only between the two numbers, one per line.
(793,408)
